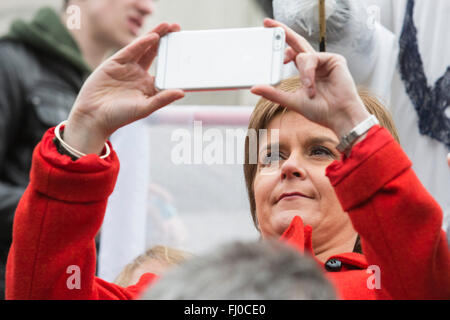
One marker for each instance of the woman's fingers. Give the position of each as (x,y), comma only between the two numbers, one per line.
(174,27)
(307,65)
(147,59)
(287,99)
(293,39)
(162,30)
(318,64)
(448,160)
(289,55)
(159,100)
(134,51)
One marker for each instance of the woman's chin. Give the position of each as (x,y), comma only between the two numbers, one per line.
(282,220)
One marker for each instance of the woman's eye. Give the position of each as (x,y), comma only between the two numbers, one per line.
(320,151)
(269,158)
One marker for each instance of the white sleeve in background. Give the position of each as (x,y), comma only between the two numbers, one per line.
(386,10)
(379,81)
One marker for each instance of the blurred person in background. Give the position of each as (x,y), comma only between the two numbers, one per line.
(228,273)
(43,65)
(266,6)
(163,219)
(157,260)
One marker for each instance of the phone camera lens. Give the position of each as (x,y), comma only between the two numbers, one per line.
(277,37)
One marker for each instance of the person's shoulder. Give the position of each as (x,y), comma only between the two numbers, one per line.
(14,53)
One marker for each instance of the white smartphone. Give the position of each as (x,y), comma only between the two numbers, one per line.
(220,59)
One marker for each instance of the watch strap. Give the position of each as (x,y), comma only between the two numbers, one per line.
(348,140)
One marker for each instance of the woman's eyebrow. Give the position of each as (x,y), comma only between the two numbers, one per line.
(321,139)
(309,141)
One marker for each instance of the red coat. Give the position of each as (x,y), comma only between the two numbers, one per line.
(398,221)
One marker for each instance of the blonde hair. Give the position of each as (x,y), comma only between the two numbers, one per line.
(266,110)
(167,255)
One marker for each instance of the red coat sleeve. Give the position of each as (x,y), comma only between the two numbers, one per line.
(53,252)
(399,223)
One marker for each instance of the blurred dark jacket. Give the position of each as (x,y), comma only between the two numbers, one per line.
(266,6)
(41,73)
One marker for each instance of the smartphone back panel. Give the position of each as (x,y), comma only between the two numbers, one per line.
(220,59)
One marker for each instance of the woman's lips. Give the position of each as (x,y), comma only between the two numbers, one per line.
(291,195)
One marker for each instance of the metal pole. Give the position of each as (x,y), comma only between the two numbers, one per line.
(323,26)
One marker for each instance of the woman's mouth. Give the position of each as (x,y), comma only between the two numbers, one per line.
(291,196)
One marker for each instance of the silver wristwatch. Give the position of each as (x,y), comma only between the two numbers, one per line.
(362,128)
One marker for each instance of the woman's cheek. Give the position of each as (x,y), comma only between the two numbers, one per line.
(263,187)
(328,201)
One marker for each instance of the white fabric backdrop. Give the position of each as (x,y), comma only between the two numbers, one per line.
(428,156)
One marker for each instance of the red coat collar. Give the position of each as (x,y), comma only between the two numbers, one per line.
(300,237)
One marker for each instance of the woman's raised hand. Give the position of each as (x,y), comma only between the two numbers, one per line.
(117,93)
(328,96)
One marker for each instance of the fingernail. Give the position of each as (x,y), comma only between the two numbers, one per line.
(306,82)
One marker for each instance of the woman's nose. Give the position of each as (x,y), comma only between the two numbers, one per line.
(292,169)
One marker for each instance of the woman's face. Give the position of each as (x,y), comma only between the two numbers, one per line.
(297,185)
